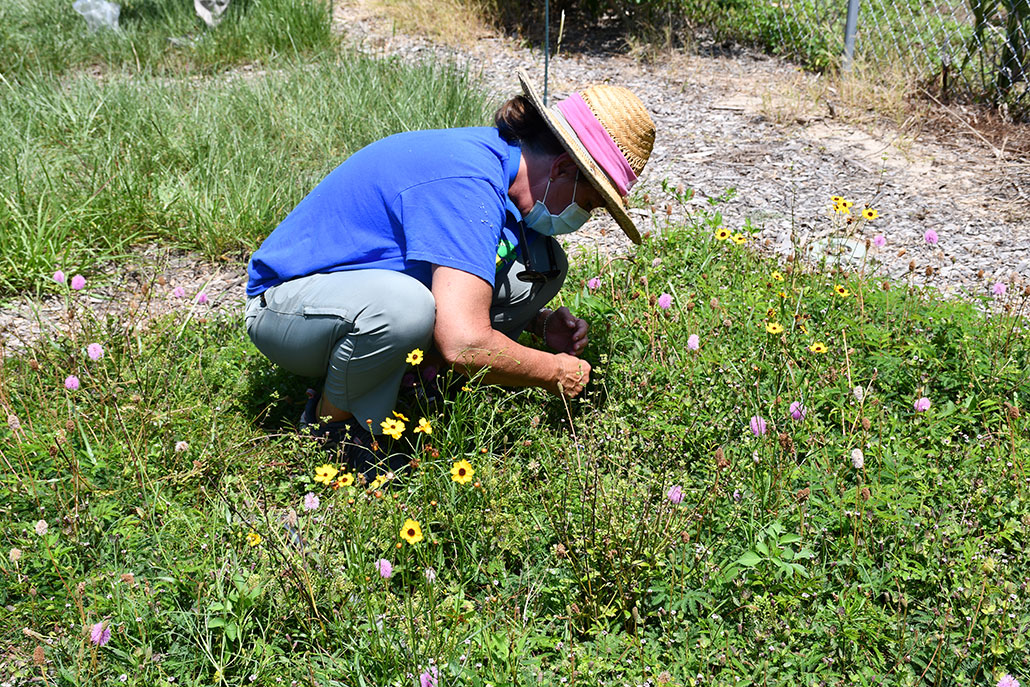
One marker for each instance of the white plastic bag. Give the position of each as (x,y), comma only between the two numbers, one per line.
(210,10)
(98,13)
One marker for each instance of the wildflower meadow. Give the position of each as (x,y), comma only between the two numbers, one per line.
(783,471)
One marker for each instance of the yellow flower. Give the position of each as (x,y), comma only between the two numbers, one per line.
(461,472)
(394,428)
(379,481)
(345,480)
(843,207)
(411,532)
(782,294)
(722,234)
(818,347)
(803,328)
(415,357)
(841,291)
(739,239)
(423,426)
(774,328)
(837,200)
(399,416)
(777,276)
(253,538)
(325,474)
(870,214)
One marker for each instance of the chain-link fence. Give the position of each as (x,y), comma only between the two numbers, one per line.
(977,49)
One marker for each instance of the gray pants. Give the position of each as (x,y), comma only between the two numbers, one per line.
(356,328)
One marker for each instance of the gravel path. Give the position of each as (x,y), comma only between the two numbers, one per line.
(726,120)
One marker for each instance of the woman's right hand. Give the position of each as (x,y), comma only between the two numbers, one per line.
(573,375)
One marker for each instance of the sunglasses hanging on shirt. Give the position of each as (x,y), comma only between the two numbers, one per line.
(529,274)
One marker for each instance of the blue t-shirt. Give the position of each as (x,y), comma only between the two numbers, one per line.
(404,203)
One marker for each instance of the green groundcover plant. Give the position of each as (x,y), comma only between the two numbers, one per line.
(779,474)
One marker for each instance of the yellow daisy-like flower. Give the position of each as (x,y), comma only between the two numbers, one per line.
(837,200)
(843,207)
(423,426)
(774,328)
(818,347)
(723,233)
(411,532)
(415,357)
(393,427)
(870,214)
(325,474)
(461,472)
(379,481)
(841,291)
(345,480)
(399,416)
(803,328)
(739,239)
(782,294)
(253,538)
(777,276)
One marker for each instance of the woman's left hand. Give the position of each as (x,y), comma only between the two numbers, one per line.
(564,332)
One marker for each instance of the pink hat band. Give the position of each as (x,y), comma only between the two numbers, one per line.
(598,142)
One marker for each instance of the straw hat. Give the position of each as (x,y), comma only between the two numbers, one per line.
(626,121)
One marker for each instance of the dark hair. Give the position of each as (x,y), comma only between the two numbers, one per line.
(518,121)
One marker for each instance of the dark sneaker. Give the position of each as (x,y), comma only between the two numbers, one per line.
(348,442)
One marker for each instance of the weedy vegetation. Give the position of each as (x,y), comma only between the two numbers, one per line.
(781,473)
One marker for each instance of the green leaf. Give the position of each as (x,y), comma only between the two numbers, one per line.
(750,559)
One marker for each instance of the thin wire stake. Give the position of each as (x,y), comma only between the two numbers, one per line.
(547,43)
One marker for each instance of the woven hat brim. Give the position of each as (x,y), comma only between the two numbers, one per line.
(598,179)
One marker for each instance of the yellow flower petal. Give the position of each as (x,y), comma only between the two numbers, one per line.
(461,472)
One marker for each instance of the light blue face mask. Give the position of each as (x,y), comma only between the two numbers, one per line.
(542,221)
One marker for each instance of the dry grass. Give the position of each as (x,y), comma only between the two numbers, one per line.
(452,22)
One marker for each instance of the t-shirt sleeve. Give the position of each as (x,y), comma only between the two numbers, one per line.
(454,222)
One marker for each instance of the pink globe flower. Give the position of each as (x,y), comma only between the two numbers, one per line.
(930,236)
(675,494)
(857,458)
(59,277)
(922,404)
(71,383)
(879,241)
(693,342)
(78,282)
(311,501)
(95,351)
(797,410)
(999,288)
(100,634)
(1008,681)
(181,446)
(429,677)
(201,298)
(594,283)
(179,292)
(665,301)
(384,568)
(757,425)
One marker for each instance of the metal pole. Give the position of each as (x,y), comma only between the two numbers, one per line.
(547,43)
(849,34)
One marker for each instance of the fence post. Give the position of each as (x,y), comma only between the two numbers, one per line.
(547,43)
(849,34)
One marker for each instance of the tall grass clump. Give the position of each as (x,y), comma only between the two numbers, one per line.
(779,474)
(88,167)
(47,38)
